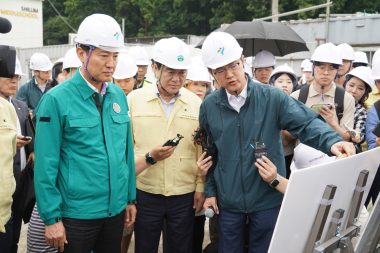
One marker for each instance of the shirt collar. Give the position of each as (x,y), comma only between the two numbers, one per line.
(243,93)
(104,87)
(313,92)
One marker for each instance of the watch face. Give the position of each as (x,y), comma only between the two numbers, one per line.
(274,183)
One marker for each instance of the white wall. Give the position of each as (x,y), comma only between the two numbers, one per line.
(26,19)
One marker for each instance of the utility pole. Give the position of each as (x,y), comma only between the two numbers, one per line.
(327,21)
(274,10)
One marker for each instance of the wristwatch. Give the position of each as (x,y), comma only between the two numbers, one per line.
(149,159)
(275,181)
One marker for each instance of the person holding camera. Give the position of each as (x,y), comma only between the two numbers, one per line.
(244,120)
(170,190)
(331,102)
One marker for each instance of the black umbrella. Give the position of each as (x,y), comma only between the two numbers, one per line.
(277,38)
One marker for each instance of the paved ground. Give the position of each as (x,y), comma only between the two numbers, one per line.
(24,231)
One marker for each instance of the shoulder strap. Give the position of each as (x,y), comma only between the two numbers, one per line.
(377,106)
(339,102)
(304,92)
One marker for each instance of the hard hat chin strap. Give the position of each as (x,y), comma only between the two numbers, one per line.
(162,87)
(339,76)
(92,48)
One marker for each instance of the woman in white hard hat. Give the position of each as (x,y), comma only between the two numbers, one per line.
(284,78)
(359,84)
(125,73)
(198,81)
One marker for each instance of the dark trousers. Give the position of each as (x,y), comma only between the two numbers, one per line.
(9,239)
(153,209)
(95,235)
(232,229)
(199,232)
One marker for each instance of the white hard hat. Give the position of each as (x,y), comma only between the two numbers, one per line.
(306,156)
(328,53)
(306,64)
(126,67)
(249,60)
(376,70)
(283,69)
(220,49)
(364,74)
(40,61)
(59,60)
(102,31)
(375,56)
(198,73)
(140,55)
(71,59)
(18,69)
(173,53)
(361,57)
(346,52)
(264,59)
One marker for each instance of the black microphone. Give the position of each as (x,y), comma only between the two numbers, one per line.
(5,25)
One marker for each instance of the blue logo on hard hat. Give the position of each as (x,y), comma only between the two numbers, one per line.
(116,35)
(221,51)
(180,58)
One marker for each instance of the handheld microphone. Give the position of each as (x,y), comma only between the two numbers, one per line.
(5,25)
(209,213)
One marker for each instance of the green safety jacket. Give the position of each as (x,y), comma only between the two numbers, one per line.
(235,180)
(84,165)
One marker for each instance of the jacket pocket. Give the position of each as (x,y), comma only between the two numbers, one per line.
(89,122)
(120,119)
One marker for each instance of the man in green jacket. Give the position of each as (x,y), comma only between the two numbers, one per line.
(84,173)
(244,120)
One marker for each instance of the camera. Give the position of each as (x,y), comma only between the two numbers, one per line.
(173,142)
(201,138)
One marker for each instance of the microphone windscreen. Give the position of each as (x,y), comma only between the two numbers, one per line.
(209,213)
(5,25)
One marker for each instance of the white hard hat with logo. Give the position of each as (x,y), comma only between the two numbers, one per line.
(264,59)
(306,156)
(126,67)
(220,49)
(173,53)
(40,61)
(283,69)
(71,59)
(361,57)
(364,74)
(18,69)
(102,31)
(140,55)
(346,52)
(328,53)
(375,75)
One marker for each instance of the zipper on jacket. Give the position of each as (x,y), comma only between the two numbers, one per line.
(241,163)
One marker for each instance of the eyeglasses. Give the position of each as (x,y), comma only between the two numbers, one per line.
(223,70)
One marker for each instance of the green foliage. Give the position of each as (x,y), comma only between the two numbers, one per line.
(170,17)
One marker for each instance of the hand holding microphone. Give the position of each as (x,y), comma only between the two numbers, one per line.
(211,207)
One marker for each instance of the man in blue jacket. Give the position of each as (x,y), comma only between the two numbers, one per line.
(244,119)
(84,171)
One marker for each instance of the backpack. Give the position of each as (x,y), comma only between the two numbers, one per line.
(338,99)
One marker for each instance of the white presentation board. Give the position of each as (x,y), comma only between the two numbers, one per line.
(304,194)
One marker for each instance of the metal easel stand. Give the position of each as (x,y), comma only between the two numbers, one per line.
(336,237)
